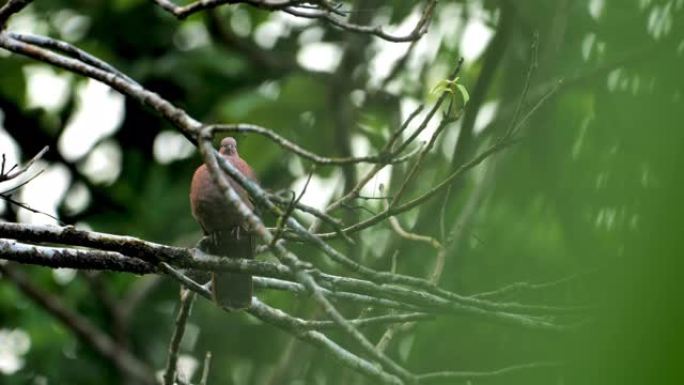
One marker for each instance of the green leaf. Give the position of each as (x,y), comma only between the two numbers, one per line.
(464,93)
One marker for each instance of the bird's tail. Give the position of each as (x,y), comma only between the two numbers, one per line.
(233,290)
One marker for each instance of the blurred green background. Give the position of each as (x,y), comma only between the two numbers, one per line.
(592,191)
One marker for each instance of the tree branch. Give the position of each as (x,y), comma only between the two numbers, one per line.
(212,159)
(450,377)
(128,364)
(307,9)
(115,252)
(186,299)
(10,8)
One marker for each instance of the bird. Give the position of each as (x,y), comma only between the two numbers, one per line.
(226,233)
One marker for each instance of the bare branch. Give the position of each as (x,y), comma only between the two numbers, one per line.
(419,30)
(390,149)
(240,128)
(337,288)
(282,220)
(366,299)
(182,278)
(212,160)
(10,8)
(418,299)
(522,287)
(446,120)
(186,299)
(289,259)
(128,364)
(442,98)
(450,377)
(290,324)
(182,12)
(205,369)
(333,222)
(526,87)
(434,276)
(14,174)
(427,195)
(307,9)
(24,206)
(68,49)
(184,122)
(293,325)
(118,248)
(72,258)
(379,320)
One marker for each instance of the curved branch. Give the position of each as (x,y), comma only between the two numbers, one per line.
(10,8)
(310,10)
(418,31)
(293,147)
(184,122)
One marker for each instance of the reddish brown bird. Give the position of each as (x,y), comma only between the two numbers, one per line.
(227,234)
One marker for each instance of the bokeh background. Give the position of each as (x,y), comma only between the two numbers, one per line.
(592,192)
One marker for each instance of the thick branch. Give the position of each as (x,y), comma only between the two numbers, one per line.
(72,258)
(113,251)
(10,8)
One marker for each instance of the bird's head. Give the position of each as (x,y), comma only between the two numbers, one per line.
(228,146)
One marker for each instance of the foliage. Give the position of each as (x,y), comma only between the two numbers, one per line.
(590,190)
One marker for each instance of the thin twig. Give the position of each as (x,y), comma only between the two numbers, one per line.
(24,206)
(294,148)
(185,306)
(24,183)
(419,30)
(11,175)
(428,194)
(286,322)
(213,160)
(298,8)
(446,120)
(526,87)
(290,208)
(450,377)
(522,287)
(72,51)
(205,369)
(391,150)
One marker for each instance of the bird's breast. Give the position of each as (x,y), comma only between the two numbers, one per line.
(209,206)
